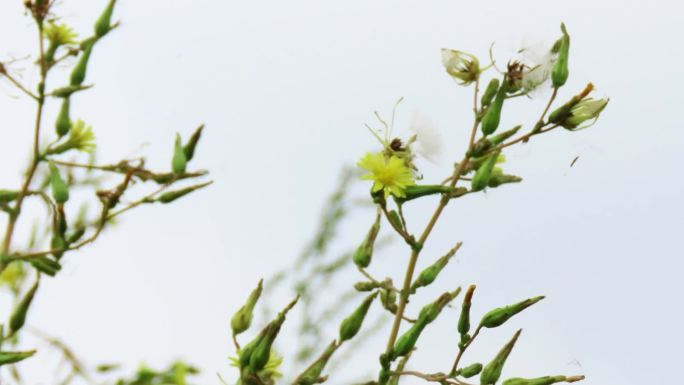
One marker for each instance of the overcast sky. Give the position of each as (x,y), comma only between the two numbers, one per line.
(285,87)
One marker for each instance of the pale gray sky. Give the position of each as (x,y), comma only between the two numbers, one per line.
(285,88)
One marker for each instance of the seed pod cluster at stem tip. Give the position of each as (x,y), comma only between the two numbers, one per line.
(351,325)
(500,315)
(492,372)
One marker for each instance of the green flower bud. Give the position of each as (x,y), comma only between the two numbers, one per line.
(63,123)
(430,311)
(560,72)
(388,298)
(491,373)
(18,317)
(463,67)
(407,341)
(485,144)
(312,375)
(46,265)
(76,235)
(242,319)
(498,178)
(60,190)
(484,172)
(7,358)
(103,24)
(7,196)
(492,117)
(179,161)
(500,315)
(171,196)
(417,191)
(255,355)
(366,286)
(189,147)
(470,370)
(394,219)
(548,380)
(364,253)
(78,74)
(489,92)
(352,324)
(464,318)
(430,273)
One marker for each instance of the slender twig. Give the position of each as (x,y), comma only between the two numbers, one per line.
(16,83)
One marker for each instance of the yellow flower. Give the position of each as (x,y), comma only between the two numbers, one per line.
(391,175)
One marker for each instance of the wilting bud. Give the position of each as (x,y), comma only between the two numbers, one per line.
(430,311)
(484,172)
(462,66)
(561,113)
(103,24)
(171,196)
(312,375)
(46,265)
(408,340)
(489,92)
(492,117)
(417,191)
(60,190)
(352,324)
(470,370)
(548,380)
(584,111)
(242,319)
(491,373)
(464,318)
(429,274)
(63,123)
(189,147)
(388,298)
(179,161)
(7,358)
(78,74)
(7,196)
(498,178)
(560,72)
(500,315)
(364,253)
(18,317)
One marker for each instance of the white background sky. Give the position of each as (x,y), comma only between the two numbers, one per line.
(285,87)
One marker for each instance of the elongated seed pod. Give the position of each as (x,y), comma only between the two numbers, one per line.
(242,319)
(407,341)
(189,147)
(352,324)
(60,190)
(492,117)
(497,179)
(7,358)
(430,273)
(548,380)
(560,72)
(470,370)
(484,172)
(179,161)
(78,74)
(491,373)
(260,348)
(171,196)
(430,311)
(490,92)
(464,318)
(63,123)
(261,354)
(500,138)
(500,315)
(103,23)
(18,317)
